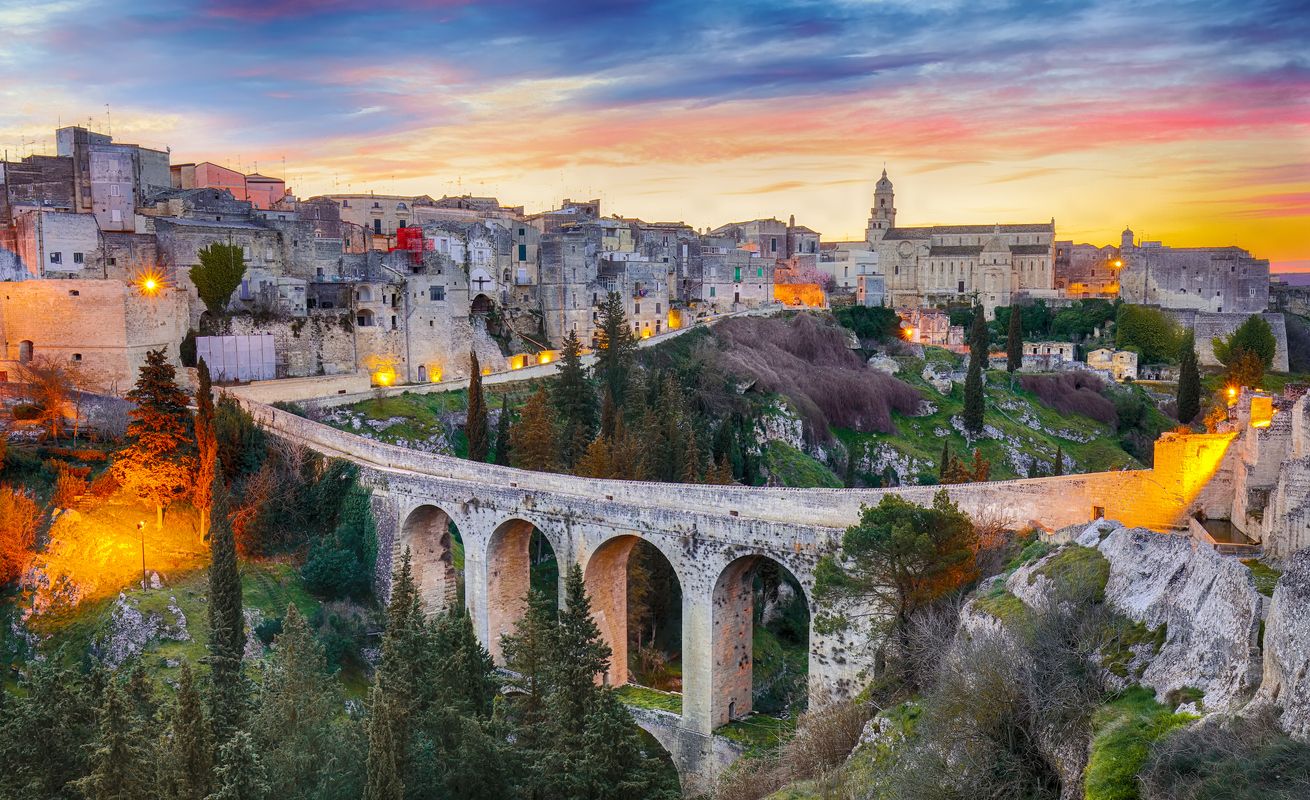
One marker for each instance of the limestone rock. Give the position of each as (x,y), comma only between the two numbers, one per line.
(131,630)
(938,377)
(1287,648)
(1208,603)
(884,363)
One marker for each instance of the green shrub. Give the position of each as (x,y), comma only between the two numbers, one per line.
(1122,733)
(26,412)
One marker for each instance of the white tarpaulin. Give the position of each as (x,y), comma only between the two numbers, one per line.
(238,358)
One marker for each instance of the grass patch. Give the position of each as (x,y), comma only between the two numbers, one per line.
(1123,639)
(1122,733)
(1003,605)
(646,697)
(1082,571)
(791,467)
(758,733)
(1266,577)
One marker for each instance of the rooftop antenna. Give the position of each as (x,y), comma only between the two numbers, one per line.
(109,122)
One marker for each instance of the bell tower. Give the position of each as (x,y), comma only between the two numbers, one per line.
(882,217)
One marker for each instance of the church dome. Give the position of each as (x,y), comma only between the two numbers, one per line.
(883,183)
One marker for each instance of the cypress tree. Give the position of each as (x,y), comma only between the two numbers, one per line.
(691,466)
(626,454)
(206,447)
(120,764)
(240,774)
(974,398)
(607,414)
(532,439)
(502,433)
(403,642)
(1014,341)
(575,401)
(475,426)
(1189,381)
(188,758)
(721,473)
(227,638)
(464,676)
(615,345)
(1059,461)
(158,464)
(944,465)
(384,781)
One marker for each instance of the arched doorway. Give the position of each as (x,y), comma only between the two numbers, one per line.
(519,558)
(481,306)
(636,600)
(437,558)
(760,634)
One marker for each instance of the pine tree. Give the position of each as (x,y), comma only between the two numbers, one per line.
(981,467)
(1014,341)
(502,433)
(188,757)
(597,461)
(158,464)
(580,654)
(575,401)
(1189,381)
(721,473)
(120,763)
(475,426)
(532,438)
(227,638)
(464,676)
(404,645)
(1058,469)
(240,774)
(608,414)
(48,729)
(529,650)
(626,454)
(384,782)
(206,448)
(293,726)
(615,345)
(691,465)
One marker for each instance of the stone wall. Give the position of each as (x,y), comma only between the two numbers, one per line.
(1208,326)
(322,343)
(105,328)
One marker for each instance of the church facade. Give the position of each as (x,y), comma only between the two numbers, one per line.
(940,264)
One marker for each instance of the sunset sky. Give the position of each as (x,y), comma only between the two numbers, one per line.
(1190,121)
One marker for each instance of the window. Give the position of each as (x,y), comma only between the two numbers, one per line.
(403,225)
(437,293)
(377,225)
(960,287)
(112,262)
(77,258)
(364,318)
(522,232)
(711,291)
(736,274)
(523,252)
(74,293)
(56,258)
(25,351)
(773,244)
(77,357)
(657,308)
(116,216)
(636,308)
(115,190)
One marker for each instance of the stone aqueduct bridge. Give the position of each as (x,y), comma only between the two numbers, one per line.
(713,536)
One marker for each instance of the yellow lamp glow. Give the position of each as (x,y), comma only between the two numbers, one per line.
(149,283)
(645,334)
(545,357)
(386,376)
(1232,395)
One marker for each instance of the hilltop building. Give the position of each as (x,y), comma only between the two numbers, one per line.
(939,264)
(1221,280)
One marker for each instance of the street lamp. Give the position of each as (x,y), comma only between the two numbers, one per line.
(141,530)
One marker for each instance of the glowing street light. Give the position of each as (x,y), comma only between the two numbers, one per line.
(1232,395)
(141,530)
(149,283)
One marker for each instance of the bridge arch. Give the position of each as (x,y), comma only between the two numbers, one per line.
(428,531)
(606,572)
(508,562)
(733,634)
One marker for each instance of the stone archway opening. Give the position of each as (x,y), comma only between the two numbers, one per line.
(636,601)
(436,552)
(481,306)
(519,558)
(761,639)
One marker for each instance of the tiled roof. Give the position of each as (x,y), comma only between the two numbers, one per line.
(1030,249)
(955,250)
(930,230)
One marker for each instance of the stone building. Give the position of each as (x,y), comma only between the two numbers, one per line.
(939,264)
(262,191)
(1221,280)
(58,244)
(1087,271)
(111,180)
(101,328)
(1120,365)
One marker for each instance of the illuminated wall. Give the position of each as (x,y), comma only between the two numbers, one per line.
(799,294)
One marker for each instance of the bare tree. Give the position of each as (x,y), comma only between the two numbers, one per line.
(50,387)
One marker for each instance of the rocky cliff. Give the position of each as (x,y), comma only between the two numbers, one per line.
(1286,683)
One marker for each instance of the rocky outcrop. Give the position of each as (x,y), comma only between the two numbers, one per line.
(1207,604)
(130,630)
(1287,648)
